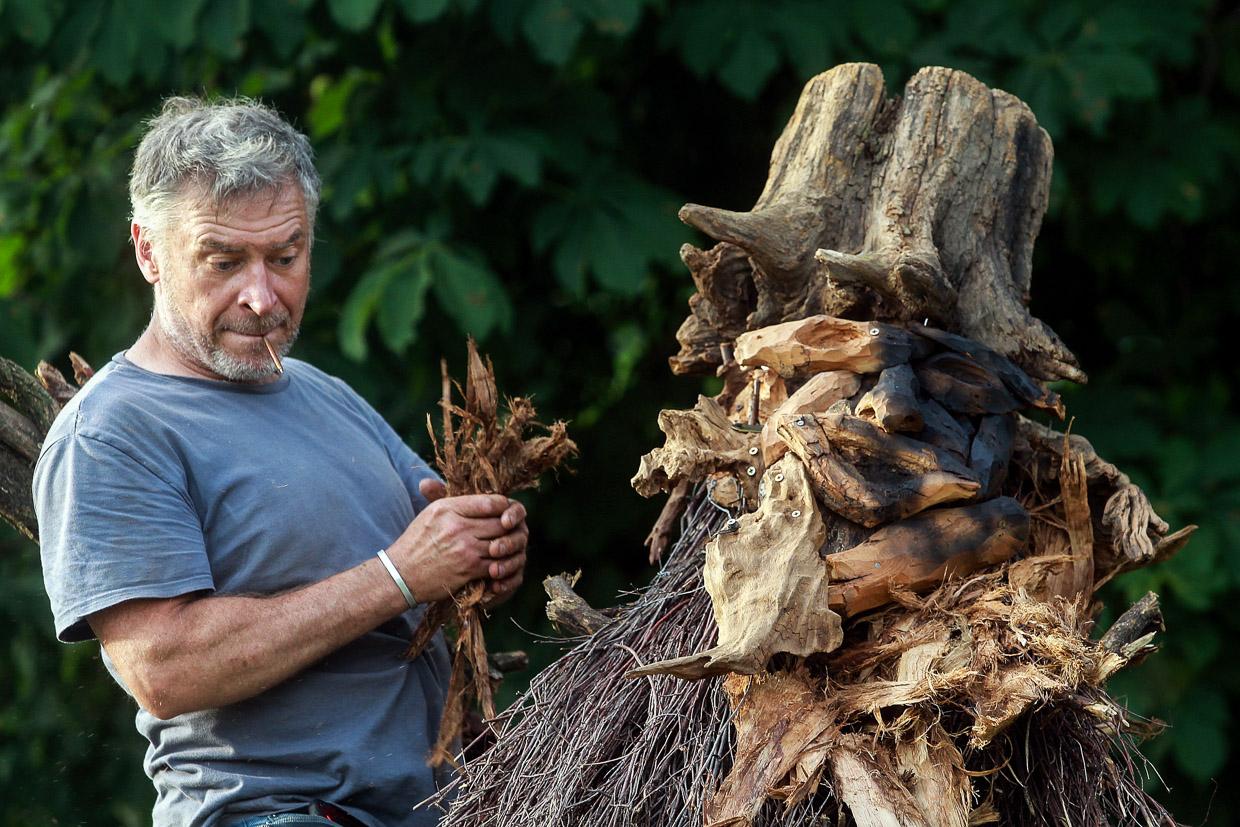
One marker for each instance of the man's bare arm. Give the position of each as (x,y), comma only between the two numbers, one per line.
(187,653)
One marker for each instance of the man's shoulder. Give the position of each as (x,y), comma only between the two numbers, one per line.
(113,395)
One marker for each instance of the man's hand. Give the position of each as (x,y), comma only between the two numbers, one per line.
(456,540)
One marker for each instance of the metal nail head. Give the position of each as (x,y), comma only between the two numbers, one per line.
(751,470)
(779,478)
(796,513)
(874,331)
(753,452)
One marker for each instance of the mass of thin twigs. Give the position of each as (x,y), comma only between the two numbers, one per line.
(587,747)
(480,451)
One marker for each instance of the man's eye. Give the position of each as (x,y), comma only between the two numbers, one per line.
(285,261)
(223,265)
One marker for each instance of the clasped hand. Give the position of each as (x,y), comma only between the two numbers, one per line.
(456,540)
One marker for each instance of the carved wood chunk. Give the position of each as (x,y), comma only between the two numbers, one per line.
(867,781)
(919,552)
(26,396)
(1028,392)
(817,395)
(82,371)
(991,452)
(869,476)
(767,584)
(699,441)
(19,434)
(16,503)
(821,343)
(963,385)
(945,431)
(892,403)
(772,393)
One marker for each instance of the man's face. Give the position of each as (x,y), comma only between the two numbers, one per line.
(230,276)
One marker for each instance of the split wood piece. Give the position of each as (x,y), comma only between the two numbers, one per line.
(892,403)
(920,552)
(944,431)
(1005,695)
(869,476)
(784,728)
(569,612)
(1027,391)
(725,296)
(866,779)
(991,452)
(934,769)
(506,662)
(923,205)
(26,413)
(805,346)
(699,442)
(817,395)
(1131,637)
(963,385)
(660,536)
(25,395)
(767,584)
(1127,524)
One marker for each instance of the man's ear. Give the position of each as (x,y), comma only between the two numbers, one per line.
(144,252)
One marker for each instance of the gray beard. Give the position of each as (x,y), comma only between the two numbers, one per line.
(203,350)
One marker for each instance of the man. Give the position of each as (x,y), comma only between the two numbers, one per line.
(217,523)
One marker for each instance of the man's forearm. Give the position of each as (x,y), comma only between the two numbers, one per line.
(213,651)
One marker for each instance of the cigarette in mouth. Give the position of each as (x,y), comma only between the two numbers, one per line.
(275,360)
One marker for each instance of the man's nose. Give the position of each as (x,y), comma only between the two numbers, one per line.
(258,293)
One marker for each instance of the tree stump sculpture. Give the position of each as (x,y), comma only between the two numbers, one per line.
(879,608)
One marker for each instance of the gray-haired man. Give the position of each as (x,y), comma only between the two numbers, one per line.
(216,523)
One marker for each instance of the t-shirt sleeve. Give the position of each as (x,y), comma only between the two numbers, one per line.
(112,529)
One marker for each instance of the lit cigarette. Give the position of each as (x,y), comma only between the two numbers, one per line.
(275,360)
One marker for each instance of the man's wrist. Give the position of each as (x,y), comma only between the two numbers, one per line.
(397,578)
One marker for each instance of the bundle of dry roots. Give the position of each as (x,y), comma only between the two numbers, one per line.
(480,451)
(880,607)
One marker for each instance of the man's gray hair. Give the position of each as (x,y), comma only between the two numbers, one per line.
(221,148)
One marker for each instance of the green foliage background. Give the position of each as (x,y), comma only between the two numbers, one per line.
(512,168)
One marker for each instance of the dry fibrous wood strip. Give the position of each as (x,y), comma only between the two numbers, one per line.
(718,310)
(699,442)
(866,779)
(767,584)
(776,755)
(568,611)
(480,451)
(991,451)
(919,552)
(964,385)
(817,343)
(892,403)
(934,769)
(869,476)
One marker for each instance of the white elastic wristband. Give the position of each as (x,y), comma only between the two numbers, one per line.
(400,581)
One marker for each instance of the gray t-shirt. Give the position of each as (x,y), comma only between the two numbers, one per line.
(155,486)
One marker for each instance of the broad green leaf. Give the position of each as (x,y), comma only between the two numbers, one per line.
(750,65)
(358,310)
(1199,733)
(470,293)
(514,157)
(884,25)
(615,260)
(354,15)
(331,101)
(176,22)
(283,22)
(32,20)
(404,302)
(223,26)
(552,28)
(423,11)
(116,46)
(11,246)
(614,17)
